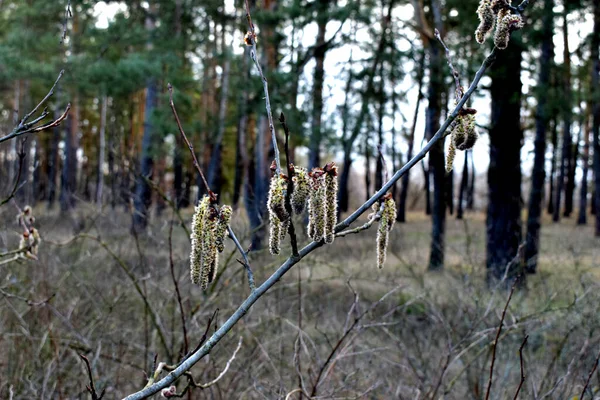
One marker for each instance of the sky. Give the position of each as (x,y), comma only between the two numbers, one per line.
(336,72)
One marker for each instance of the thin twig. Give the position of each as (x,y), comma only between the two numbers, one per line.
(189,145)
(290,186)
(91,388)
(212,195)
(176,284)
(251,40)
(68,14)
(21,155)
(495,345)
(459,89)
(522,367)
(587,382)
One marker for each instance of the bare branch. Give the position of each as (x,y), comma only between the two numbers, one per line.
(587,382)
(251,41)
(522,367)
(495,345)
(91,388)
(21,155)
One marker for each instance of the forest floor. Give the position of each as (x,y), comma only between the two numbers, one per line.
(422,335)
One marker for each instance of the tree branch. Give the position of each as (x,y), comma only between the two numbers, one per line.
(291,261)
(91,388)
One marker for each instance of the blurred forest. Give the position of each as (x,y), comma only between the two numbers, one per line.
(362,83)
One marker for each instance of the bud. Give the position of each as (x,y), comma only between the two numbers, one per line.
(224,219)
(316,205)
(301,189)
(486,20)
(196,236)
(331,191)
(169,392)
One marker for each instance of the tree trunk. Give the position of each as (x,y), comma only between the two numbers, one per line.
(314,159)
(538,175)
(401,214)
(54,161)
(215,168)
(69,172)
(567,140)
(143,191)
(504,174)
(471,191)
(552,179)
(595,104)
(464,182)
(427,187)
(367,166)
(101,150)
(437,166)
(585,159)
(241,150)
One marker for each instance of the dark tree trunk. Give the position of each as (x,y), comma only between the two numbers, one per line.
(367,168)
(143,192)
(101,150)
(450,192)
(568,121)
(567,140)
(471,191)
(379,167)
(427,187)
(504,174)
(53,162)
(179,144)
(464,182)
(552,180)
(241,149)
(215,168)
(112,170)
(538,175)
(69,171)
(585,159)
(595,103)
(437,166)
(345,176)
(401,214)
(317,92)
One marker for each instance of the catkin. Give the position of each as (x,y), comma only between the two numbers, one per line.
(276,198)
(209,248)
(486,20)
(301,189)
(274,235)
(450,157)
(331,190)
(317,205)
(196,236)
(222,225)
(468,135)
(386,223)
(505,25)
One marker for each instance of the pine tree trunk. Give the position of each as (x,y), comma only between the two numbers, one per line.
(53,161)
(379,154)
(552,179)
(538,175)
(567,140)
(471,191)
(215,168)
(314,159)
(179,144)
(367,167)
(437,166)
(595,104)
(101,150)
(504,174)
(585,159)
(69,171)
(241,149)
(464,182)
(143,192)
(401,214)
(427,187)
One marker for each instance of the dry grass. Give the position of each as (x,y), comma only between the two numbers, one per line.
(429,338)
